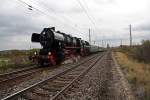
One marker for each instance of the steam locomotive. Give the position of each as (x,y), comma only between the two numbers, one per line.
(58,46)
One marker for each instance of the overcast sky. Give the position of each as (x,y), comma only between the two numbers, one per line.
(108,19)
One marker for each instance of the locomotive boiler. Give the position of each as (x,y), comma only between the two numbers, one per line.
(58,46)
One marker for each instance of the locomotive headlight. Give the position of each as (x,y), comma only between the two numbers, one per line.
(35,53)
(49,53)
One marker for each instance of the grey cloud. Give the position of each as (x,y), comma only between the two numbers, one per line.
(13,25)
(105,1)
(17,22)
(143,27)
(61,7)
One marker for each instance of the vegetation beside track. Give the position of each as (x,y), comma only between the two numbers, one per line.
(138,52)
(13,59)
(137,73)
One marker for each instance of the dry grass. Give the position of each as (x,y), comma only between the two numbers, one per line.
(8,64)
(138,74)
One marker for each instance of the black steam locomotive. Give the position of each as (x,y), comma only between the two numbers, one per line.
(58,46)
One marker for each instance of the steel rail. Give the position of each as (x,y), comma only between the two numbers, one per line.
(26,73)
(16,72)
(76,79)
(17,94)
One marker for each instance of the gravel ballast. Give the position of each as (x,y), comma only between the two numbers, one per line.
(104,81)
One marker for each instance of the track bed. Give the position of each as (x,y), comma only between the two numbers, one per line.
(46,74)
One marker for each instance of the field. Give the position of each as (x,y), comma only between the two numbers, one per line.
(13,59)
(137,73)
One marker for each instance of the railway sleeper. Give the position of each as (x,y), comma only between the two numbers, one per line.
(51,89)
(63,79)
(61,82)
(35,96)
(79,69)
(55,84)
(67,77)
(70,90)
(40,91)
(74,73)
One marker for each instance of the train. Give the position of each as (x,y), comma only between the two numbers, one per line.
(57,47)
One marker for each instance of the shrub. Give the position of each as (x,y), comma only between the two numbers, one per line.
(139,52)
(142,52)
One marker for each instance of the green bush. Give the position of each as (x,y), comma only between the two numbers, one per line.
(139,52)
(3,65)
(142,52)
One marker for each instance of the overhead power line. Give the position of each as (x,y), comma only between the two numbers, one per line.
(86,12)
(64,17)
(32,7)
(94,21)
(47,14)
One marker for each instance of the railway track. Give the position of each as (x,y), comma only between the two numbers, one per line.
(10,79)
(10,75)
(55,86)
(103,82)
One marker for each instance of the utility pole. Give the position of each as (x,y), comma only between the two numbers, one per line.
(102,43)
(121,42)
(94,42)
(130,35)
(89,36)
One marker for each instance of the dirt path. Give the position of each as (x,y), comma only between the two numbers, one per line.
(104,82)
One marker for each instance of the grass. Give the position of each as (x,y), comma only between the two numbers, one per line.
(14,59)
(7,64)
(137,73)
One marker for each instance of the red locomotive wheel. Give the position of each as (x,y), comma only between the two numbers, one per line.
(52,60)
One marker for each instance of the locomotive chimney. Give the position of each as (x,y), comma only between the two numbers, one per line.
(35,37)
